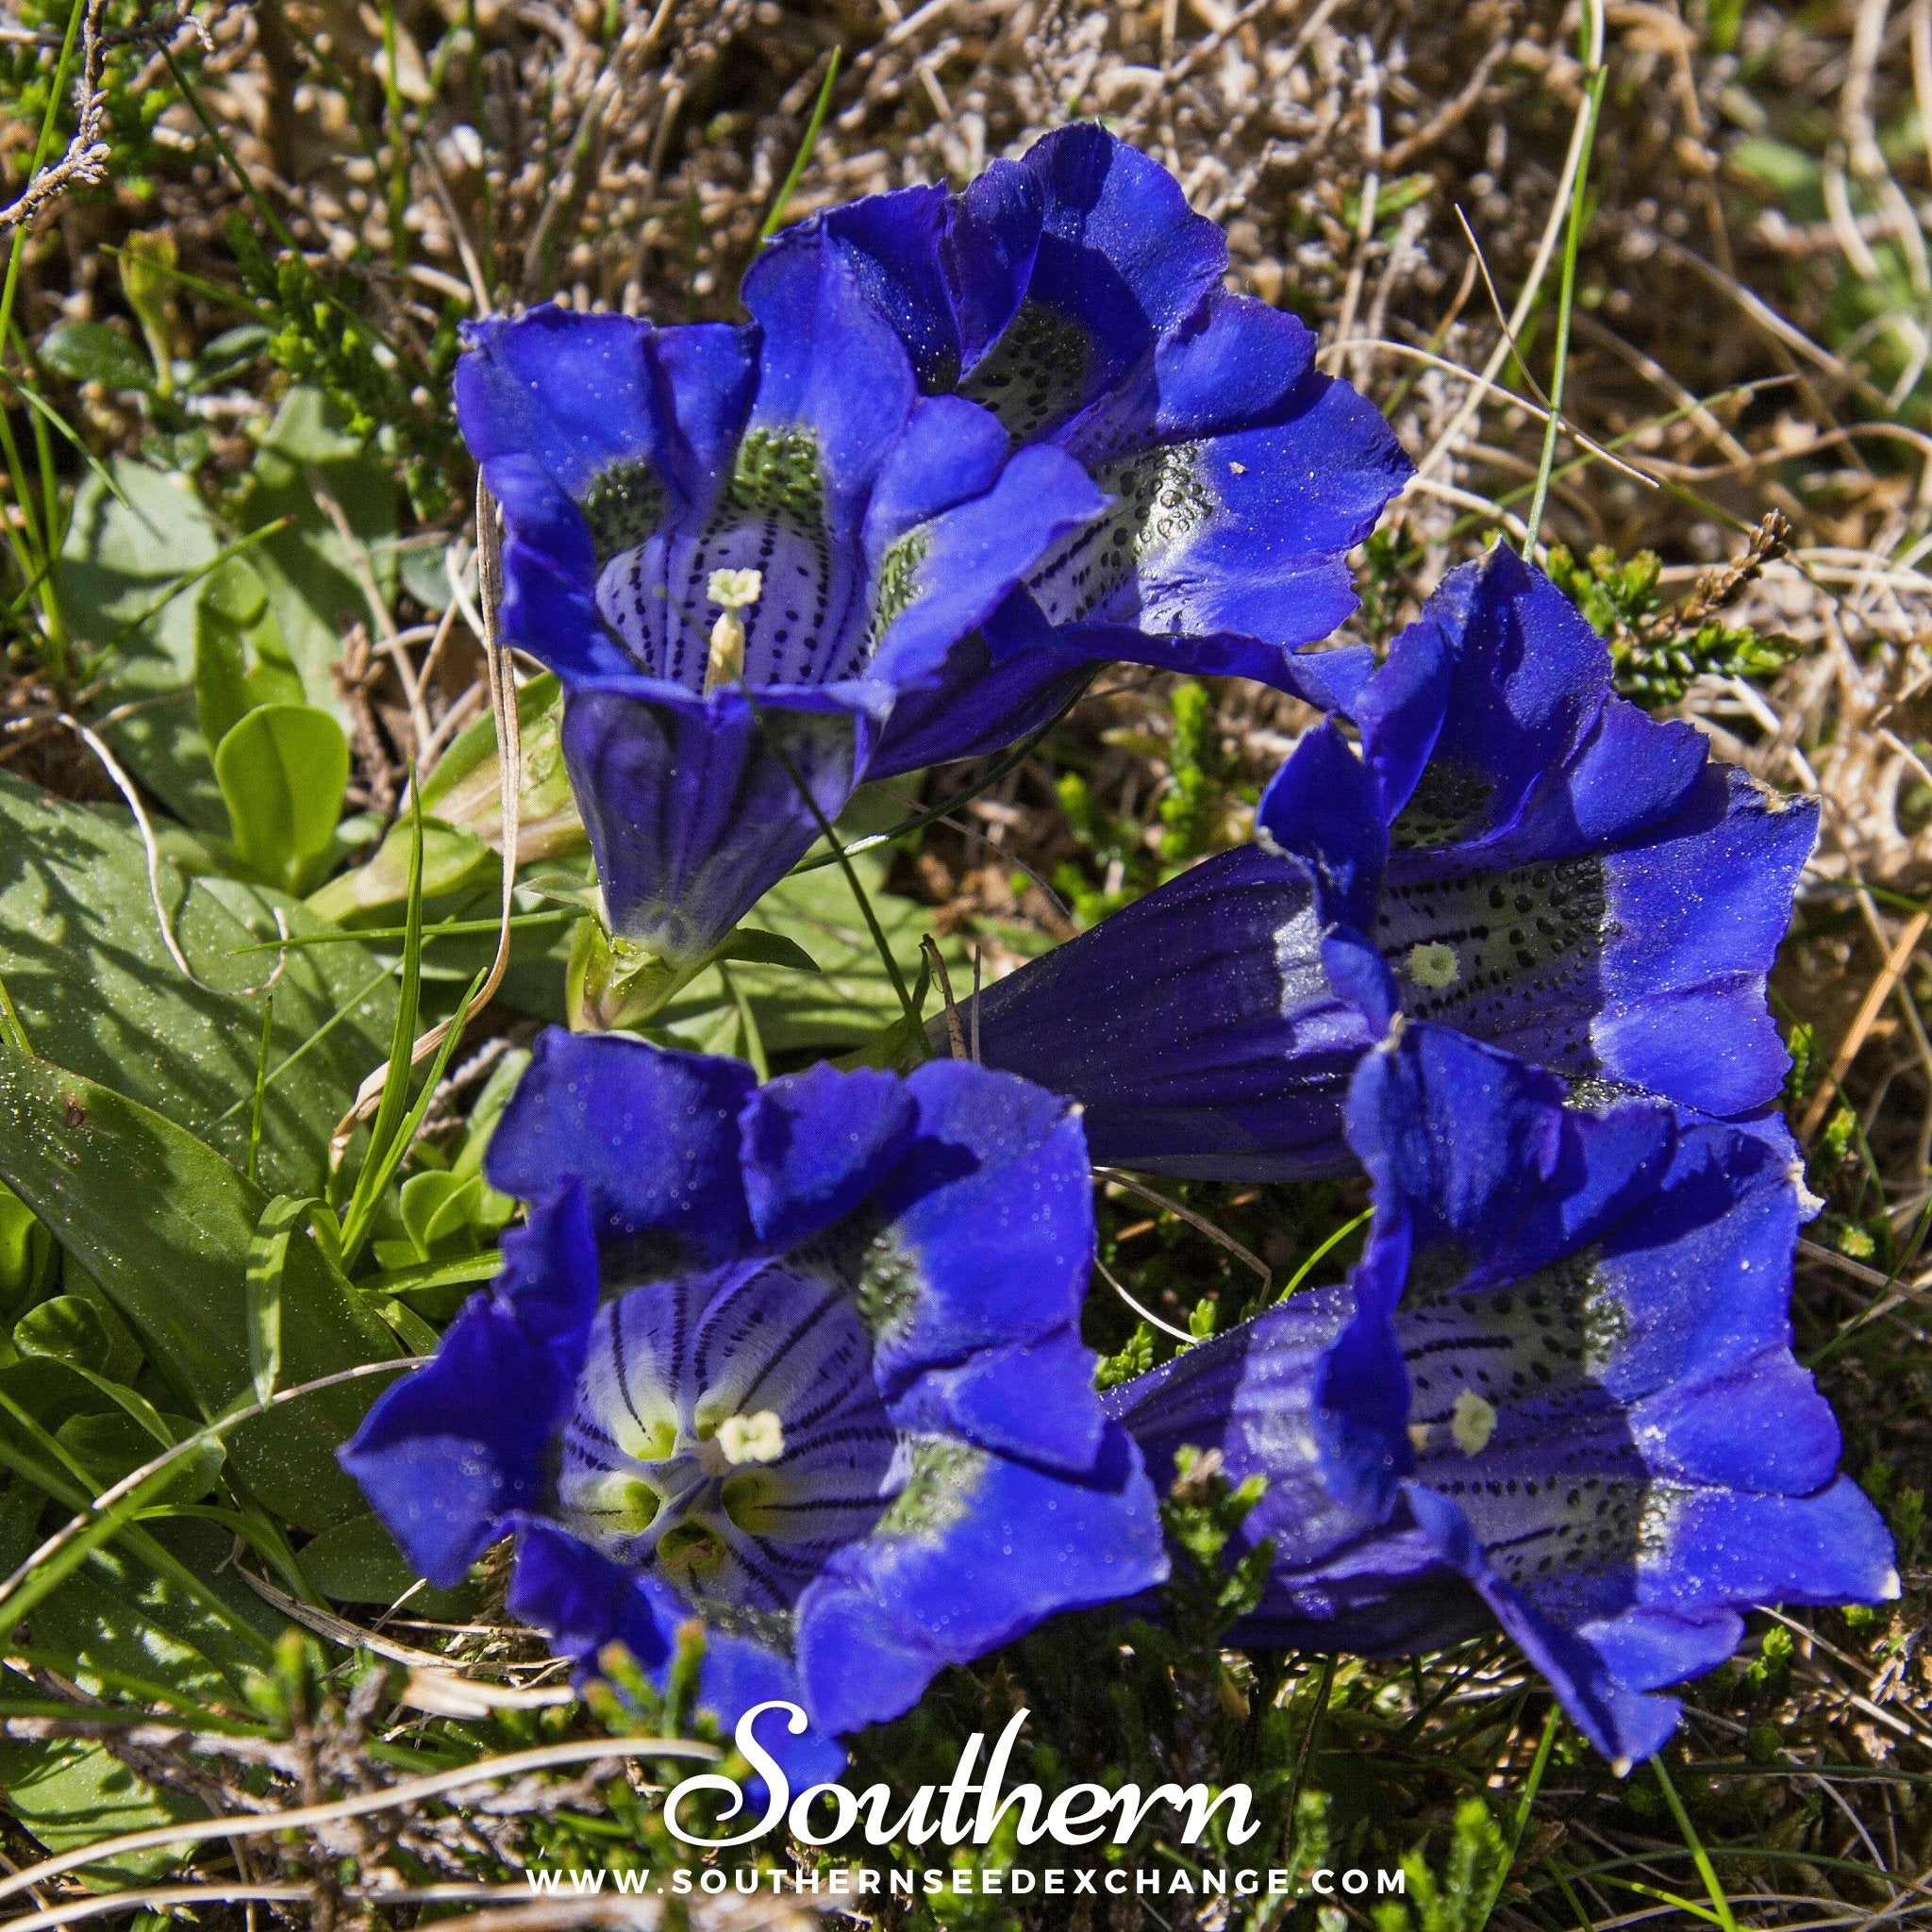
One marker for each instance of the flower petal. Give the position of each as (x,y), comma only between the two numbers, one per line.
(1195,1026)
(945,576)
(1700,907)
(1475,1153)
(829,370)
(652,1136)
(1625,1724)
(888,1613)
(816,1143)
(446,1454)
(1032,1401)
(988,1222)
(585,1601)
(1241,535)
(692,814)
(1526,680)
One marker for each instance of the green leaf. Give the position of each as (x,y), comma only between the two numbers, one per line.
(463,813)
(308,570)
(147,263)
(67,1329)
(438,1206)
(26,1248)
(760,948)
(283,770)
(115,1616)
(845,1003)
(112,1445)
(70,1793)
(82,956)
(267,1261)
(452,858)
(240,661)
(357,1562)
(231,353)
(122,555)
(166,1225)
(92,352)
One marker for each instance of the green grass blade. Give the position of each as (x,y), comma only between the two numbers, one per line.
(254,1110)
(1597,76)
(906,1006)
(801,159)
(309,1044)
(1720,1900)
(1334,1241)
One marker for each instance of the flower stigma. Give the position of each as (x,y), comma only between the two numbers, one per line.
(1434,965)
(1472,1424)
(733,591)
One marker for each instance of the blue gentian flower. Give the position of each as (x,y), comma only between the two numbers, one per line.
(802,1361)
(1558,1394)
(736,546)
(1515,852)
(831,540)
(1076,295)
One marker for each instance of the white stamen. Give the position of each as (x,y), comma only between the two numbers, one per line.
(757,1438)
(1434,965)
(1472,1423)
(733,591)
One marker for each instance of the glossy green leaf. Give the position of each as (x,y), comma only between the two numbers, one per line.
(25,1250)
(462,810)
(166,1225)
(67,1329)
(283,770)
(112,1617)
(113,1445)
(82,956)
(70,1793)
(757,948)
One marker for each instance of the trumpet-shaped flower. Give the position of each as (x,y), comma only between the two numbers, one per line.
(802,1363)
(1558,1394)
(736,546)
(768,561)
(1076,295)
(1513,852)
